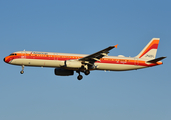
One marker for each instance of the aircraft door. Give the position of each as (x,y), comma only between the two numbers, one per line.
(23,55)
(55,56)
(136,61)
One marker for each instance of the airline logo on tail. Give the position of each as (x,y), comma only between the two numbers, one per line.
(149,52)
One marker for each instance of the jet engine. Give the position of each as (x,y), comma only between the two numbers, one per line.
(73,64)
(63,72)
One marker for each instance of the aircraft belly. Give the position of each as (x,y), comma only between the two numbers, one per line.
(35,62)
(57,63)
(117,67)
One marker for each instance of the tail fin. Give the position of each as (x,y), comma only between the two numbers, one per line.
(150,50)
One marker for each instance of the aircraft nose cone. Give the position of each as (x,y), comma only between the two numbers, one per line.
(4,59)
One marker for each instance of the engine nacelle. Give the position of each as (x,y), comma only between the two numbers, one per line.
(63,72)
(73,64)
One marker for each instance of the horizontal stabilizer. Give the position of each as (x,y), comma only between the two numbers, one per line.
(156,60)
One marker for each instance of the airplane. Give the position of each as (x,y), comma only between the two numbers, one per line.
(65,64)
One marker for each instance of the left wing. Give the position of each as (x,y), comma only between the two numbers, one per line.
(96,56)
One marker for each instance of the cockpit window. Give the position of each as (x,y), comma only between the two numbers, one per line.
(12,54)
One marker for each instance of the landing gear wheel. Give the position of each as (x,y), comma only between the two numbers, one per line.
(22,72)
(80,77)
(87,72)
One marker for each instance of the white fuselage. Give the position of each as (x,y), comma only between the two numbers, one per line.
(46,59)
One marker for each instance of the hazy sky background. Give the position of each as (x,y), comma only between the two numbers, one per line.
(85,27)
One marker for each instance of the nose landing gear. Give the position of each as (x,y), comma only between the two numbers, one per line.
(22,71)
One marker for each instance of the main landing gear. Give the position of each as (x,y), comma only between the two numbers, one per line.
(22,71)
(86,72)
(79,76)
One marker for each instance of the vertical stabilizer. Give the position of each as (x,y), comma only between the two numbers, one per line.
(150,50)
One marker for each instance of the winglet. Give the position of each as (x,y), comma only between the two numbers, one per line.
(116,46)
